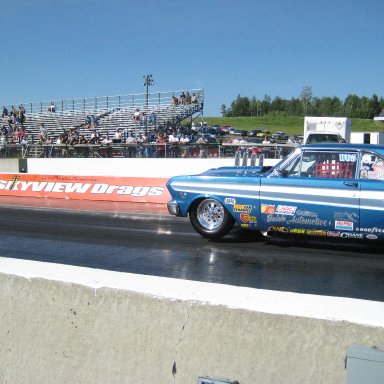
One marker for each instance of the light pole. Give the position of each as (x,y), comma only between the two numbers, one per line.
(148,81)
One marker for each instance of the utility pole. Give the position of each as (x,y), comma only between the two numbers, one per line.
(148,81)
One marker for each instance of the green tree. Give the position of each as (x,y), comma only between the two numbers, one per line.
(254,106)
(240,107)
(350,106)
(306,99)
(265,105)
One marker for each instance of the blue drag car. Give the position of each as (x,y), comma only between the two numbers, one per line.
(329,190)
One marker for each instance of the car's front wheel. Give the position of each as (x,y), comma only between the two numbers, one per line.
(210,218)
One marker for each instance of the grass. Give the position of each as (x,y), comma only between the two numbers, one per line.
(292,125)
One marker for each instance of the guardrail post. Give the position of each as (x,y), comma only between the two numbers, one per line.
(245,159)
(237,159)
(253,159)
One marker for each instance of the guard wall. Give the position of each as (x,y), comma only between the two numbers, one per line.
(62,324)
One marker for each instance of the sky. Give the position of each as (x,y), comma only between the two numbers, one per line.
(61,49)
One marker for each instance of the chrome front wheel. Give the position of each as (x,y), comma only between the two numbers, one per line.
(210,218)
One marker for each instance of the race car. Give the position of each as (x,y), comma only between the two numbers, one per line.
(328,190)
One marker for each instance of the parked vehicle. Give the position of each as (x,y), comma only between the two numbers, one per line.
(328,191)
(327,129)
(263,133)
(279,136)
(254,132)
(234,131)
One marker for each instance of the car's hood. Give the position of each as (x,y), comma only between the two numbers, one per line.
(235,171)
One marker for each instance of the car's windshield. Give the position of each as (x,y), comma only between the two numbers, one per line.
(321,138)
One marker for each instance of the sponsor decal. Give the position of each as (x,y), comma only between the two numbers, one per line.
(306,213)
(247,218)
(371,237)
(315,232)
(298,231)
(349,157)
(278,229)
(285,210)
(244,225)
(267,209)
(333,234)
(349,235)
(86,187)
(346,216)
(370,230)
(230,201)
(297,220)
(344,225)
(242,208)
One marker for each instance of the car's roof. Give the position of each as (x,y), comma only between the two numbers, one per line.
(341,146)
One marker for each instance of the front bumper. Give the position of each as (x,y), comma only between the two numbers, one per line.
(173,208)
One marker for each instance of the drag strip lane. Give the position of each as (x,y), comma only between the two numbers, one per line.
(162,245)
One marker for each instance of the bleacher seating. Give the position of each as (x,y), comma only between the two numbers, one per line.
(112,112)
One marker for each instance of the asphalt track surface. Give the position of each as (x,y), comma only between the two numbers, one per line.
(144,239)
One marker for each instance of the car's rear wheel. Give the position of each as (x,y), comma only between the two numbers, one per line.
(210,218)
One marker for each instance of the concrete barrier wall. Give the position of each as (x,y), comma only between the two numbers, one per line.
(62,324)
(130,167)
(9,165)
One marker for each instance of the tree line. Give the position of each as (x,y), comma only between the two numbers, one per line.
(306,105)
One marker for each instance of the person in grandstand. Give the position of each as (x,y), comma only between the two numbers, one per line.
(161,141)
(185,146)
(173,140)
(203,146)
(131,149)
(117,136)
(95,139)
(43,133)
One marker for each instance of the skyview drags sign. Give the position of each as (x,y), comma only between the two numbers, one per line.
(130,189)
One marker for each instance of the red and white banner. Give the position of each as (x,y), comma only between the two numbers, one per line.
(130,189)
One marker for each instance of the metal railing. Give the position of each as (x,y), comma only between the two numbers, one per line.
(105,104)
(241,154)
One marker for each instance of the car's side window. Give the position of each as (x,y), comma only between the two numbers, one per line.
(322,164)
(372,166)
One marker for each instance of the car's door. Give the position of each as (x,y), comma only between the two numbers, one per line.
(316,193)
(372,196)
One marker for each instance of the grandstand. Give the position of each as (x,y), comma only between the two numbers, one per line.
(111,112)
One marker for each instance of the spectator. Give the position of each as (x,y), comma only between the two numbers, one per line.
(203,146)
(194,98)
(5,112)
(4,130)
(117,136)
(106,140)
(83,150)
(147,152)
(161,141)
(95,139)
(182,98)
(152,118)
(52,107)
(43,133)
(93,121)
(173,140)
(48,147)
(131,149)
(73,137)
(16,136)
(267,149)
(185,146)
(243,149)
(136,115)
(175,101)
(22,134)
